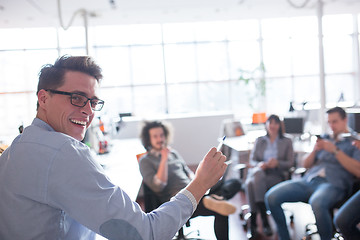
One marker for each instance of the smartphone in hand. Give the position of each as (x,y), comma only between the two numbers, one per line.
(319,137)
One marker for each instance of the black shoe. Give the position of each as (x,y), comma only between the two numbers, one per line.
(252,233)
(264,217)
(267,230)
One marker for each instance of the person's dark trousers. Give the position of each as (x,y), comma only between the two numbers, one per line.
(348,217)
(221,223)
(252,230)
(266,226)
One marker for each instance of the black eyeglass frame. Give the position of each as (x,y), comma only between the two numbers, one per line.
(98,104)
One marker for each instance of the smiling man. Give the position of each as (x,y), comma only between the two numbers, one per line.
(52,188)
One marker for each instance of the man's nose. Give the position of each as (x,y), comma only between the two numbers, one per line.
(87,108)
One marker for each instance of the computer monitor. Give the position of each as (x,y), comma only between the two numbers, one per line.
(294,125)
(354,121)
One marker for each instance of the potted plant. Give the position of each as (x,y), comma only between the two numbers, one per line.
(255,79)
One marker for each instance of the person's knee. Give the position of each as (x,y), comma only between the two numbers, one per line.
(259,176)
(248,182)
(272,198)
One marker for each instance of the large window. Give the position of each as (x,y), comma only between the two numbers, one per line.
(188,67)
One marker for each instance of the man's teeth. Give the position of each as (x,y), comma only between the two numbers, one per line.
(78,122)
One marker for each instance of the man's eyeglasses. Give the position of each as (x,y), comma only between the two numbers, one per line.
(80,100)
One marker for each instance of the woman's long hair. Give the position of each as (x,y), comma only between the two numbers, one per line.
(275,118)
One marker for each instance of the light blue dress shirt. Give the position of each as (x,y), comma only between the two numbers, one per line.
(52,188)
(271,150)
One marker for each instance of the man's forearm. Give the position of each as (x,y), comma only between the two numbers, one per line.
(349,163)
(309,160)
(196,190)
(162,173)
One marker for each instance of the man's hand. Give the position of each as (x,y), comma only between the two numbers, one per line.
(272,163)
(325,145)
(164,152)
(209,171)
(356,143)
(318,145)
(162,172)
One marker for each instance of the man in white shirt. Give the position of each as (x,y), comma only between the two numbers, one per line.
(52,188)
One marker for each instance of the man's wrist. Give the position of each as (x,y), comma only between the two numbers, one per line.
(197,189)
(336,151)
(191,197)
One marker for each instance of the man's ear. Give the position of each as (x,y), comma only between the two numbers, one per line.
(42,98)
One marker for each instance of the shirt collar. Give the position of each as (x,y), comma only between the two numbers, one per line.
(41,124)
(155,152)
(268,139)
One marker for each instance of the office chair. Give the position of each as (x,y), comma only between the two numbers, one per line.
(151,202)
(233,128)
(230,128)
(245,214)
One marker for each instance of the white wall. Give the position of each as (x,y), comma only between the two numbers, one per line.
(193,135)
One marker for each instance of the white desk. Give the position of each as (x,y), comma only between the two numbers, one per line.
(121,165)
(303,146)
(246,143)
(240,144)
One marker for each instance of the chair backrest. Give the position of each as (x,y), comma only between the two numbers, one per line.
(138,156)
(231,128)
(151,200)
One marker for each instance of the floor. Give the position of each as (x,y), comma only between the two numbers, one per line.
(302,215)
(203,225)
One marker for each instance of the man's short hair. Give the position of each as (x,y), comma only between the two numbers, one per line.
(145,135)
(339,110)
(52,76)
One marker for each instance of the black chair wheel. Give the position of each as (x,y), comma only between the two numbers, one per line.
(245,227)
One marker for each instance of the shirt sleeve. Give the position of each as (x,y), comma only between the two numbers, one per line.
(157,182)
(78,186)
(148,172)
(191,197)
(186,168)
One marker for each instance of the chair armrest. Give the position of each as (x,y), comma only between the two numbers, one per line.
(300,171)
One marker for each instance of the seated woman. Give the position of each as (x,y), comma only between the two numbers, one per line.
(271,157)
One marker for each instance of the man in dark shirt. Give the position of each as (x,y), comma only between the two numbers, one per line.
(165,172)
(327,182)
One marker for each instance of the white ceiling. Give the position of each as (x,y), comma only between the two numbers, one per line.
(31,13)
